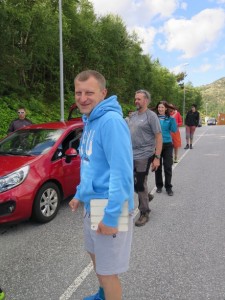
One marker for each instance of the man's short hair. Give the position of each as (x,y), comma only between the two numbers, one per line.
(21,107)
(146,94)
(85,75)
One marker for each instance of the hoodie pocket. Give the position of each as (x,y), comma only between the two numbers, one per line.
(87,190)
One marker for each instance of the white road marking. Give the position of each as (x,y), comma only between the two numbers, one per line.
(77,282)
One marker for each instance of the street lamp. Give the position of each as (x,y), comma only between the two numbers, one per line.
(184,107)
(184,65)
(61,62)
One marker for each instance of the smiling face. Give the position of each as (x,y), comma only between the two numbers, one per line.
(162,109)
(88,94)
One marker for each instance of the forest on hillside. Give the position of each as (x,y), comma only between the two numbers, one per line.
(29,59)
(213,98)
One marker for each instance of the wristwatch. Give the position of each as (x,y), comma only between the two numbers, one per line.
(157,156)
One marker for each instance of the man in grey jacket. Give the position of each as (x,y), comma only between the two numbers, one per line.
(20,122)
(146,138)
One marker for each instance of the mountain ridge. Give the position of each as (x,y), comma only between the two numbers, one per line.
(213,97)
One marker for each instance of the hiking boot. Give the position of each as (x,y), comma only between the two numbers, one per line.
(159,190)
(170,192)
(143,219)
(150,197)
(191,146)
(186,147)
(2,294)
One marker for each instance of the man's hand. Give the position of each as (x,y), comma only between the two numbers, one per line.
(106,230)
(74,204)
(155,164)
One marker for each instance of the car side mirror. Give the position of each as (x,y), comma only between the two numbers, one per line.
(70,154)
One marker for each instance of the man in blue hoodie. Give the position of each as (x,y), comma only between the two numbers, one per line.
(106,173)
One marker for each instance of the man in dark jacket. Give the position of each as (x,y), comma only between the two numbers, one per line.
(20,122)
(191,122)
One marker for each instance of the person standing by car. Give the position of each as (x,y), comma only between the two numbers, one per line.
(20,122)
(191,122)
(106,172)
(147,145)
(176,135)
(168,125)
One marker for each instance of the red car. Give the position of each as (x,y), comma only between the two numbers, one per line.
(39,168)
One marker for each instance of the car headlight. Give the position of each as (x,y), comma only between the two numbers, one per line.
(13,179)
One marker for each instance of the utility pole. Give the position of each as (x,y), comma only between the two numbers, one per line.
(184,98)
(61,63)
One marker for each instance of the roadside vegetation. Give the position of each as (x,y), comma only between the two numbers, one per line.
(29,60)
(213,96)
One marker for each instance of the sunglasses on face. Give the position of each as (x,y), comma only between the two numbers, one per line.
(20,112)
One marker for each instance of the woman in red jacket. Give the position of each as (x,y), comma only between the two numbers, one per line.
(176,135)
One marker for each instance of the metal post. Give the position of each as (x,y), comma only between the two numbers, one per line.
(184,65)
(184,107)
(61,63)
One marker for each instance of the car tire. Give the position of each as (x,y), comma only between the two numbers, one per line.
(46,203)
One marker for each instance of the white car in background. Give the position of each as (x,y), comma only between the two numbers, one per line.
(211,121)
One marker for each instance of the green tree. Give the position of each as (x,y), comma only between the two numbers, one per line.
(29,58)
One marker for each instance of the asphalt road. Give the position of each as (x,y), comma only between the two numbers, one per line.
(178,254)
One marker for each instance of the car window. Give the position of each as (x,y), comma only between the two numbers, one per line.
(30,142)
(72,140)
(74,113)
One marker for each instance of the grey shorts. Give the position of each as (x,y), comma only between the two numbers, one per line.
(112,254)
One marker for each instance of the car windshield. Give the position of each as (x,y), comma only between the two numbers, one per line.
(29,142)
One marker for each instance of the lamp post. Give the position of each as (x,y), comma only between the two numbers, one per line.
(184,98)
(184,107)
(61,63)
(206,109)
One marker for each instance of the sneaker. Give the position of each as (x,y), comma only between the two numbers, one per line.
(150,197)
(186,147)
(159,190)
(143,219)
(93,297)
(191,146)
(2,294)
(175,160)
(170,192)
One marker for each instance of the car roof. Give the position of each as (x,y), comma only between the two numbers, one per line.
(75,123)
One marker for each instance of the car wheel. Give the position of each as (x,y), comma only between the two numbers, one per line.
(46,203)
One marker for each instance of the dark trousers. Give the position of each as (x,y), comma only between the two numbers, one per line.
(167,162)
(141,170)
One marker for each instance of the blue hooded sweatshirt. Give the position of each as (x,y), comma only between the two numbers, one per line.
(106,160)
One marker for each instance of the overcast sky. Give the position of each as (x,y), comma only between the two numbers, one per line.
(184,35)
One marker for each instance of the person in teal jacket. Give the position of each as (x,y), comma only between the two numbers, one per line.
(106,173)
(168,125)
